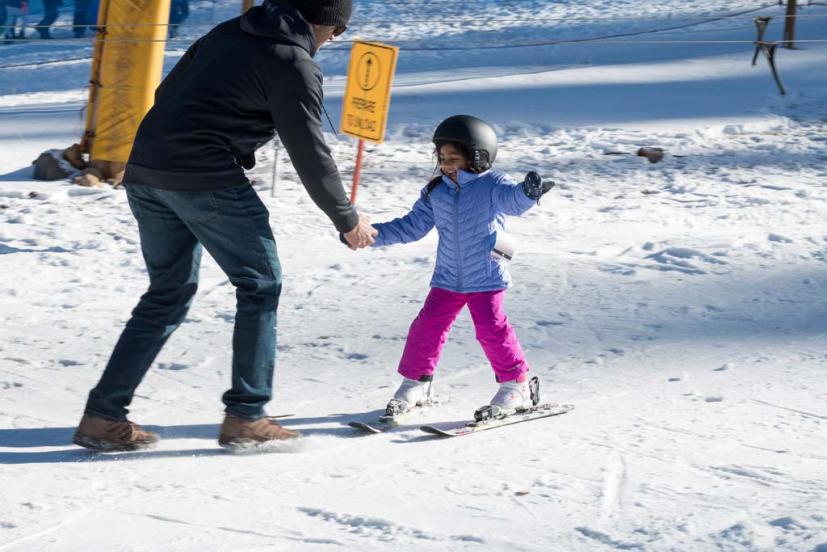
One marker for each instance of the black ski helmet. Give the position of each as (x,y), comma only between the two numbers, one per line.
(477,136)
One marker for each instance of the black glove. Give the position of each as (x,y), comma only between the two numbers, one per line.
(248,160)
(534,186)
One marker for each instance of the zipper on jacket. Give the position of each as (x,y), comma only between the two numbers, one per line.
(456,236)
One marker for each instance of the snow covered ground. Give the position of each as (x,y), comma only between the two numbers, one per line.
(679,305)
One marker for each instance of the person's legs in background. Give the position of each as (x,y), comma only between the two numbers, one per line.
(50,13)
(81,18)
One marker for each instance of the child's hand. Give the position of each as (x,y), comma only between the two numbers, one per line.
(534,187)
(362,235)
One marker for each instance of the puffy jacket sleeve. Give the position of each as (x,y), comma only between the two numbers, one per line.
(410,228)
(295,102)
(509,197)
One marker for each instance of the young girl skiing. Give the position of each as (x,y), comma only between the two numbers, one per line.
(467,203)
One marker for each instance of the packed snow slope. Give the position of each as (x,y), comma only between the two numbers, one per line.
(680,305)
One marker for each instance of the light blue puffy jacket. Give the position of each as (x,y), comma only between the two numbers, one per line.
(468,217)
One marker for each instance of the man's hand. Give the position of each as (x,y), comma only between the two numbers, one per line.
(248,160)
(362,235)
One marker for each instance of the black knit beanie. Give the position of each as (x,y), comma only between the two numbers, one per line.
(335,13)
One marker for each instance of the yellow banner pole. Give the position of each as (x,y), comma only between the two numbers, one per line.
(94,80)
(130,71)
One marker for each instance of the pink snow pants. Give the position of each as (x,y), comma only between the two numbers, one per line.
(429,331)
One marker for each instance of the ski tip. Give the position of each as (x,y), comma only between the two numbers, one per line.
(435,431)
(366,427)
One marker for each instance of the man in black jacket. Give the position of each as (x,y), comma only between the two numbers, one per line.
(234,88)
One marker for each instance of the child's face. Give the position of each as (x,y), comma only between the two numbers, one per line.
(451,160)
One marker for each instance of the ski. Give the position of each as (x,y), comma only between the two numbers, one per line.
(466,428)
(387,422)
(375,427)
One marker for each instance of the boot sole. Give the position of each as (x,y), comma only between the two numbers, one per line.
(100,445)
(249,446)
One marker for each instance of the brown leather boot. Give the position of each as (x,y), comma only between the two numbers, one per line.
(241,434)
(112,436)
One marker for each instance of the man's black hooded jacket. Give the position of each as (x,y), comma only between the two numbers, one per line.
(246,79)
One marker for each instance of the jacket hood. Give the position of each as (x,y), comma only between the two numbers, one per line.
(282,22)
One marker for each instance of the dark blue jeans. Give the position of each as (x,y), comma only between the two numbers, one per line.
(233,225)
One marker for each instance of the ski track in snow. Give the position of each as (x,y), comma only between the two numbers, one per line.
(613,482)
(679,305)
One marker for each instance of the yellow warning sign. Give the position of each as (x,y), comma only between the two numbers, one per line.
(368,91)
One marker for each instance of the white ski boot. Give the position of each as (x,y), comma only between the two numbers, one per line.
(411,393)
(511,397)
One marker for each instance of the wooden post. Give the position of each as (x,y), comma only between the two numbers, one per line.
(356,170)
(246,5)
(789,25)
